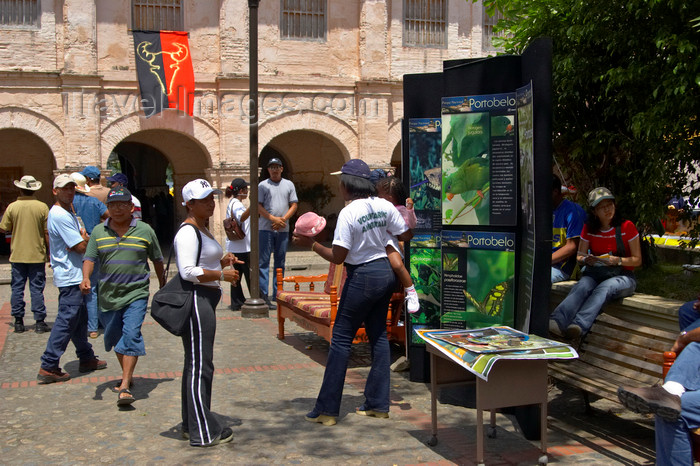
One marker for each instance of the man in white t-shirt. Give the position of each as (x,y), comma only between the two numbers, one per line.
(277,202)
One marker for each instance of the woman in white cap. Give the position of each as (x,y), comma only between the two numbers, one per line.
(610,249)
(238,191)
(360,240)
(201,260)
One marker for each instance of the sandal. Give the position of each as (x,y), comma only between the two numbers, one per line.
(116,389)
(125,400)
(94,335)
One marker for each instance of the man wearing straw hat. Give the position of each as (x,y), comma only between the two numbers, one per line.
(26,220)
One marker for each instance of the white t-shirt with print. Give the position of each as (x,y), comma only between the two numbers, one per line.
(364,228)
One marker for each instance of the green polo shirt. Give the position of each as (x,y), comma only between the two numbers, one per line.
(26,220)
(124,275)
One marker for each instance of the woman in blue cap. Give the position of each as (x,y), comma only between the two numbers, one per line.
(360,240)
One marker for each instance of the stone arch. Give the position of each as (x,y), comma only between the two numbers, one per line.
(333,128)
(38,124)
(198,130)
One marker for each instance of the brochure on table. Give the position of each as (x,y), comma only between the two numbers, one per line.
(477,350)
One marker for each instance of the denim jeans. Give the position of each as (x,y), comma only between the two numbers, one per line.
(673,444)
(36,274)
(70,325)
(365,298)
(558,275)
(93,312)
(688,317)
(271,242)
(585,300)
(123,329)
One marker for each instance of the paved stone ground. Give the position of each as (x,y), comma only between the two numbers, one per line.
(263,387)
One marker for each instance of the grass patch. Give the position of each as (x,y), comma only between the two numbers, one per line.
(669,281)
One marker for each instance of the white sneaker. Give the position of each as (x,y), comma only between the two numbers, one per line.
(412,303)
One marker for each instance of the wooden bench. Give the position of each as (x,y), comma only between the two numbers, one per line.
(316,310)
(625,346)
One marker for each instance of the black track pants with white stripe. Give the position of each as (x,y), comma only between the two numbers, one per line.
(197,375)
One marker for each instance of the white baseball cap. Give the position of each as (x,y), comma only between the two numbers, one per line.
(197,189)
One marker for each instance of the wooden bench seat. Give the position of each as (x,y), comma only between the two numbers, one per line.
(615,352)
(316,310)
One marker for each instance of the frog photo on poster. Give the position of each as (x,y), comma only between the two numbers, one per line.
(477,279)
(479,160)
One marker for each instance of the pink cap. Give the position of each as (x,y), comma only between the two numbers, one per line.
(309,224)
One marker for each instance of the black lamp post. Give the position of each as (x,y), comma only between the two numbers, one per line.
(254,306)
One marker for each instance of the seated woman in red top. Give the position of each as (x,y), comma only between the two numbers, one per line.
(610,249)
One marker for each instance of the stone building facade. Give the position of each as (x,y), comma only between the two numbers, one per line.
(69,94)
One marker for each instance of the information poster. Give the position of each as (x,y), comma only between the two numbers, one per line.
(527,188)
(478,270)
(425,177)
(426,273)
(479,160)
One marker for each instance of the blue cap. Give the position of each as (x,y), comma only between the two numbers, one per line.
(354,167)
(119,178)
(91,172)
(376,175)
(275,161)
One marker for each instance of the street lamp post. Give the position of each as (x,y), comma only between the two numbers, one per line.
(254,306)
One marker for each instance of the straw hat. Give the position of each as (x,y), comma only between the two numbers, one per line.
(80,182)
(29,183)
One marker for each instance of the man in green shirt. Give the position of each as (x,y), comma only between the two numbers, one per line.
(122,246)
(26,220)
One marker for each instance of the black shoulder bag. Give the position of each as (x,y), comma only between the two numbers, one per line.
(172,305)
(602,273)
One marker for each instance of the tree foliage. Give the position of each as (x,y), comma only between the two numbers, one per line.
(626,84)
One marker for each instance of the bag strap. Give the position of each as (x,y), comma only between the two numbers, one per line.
(199,246)
(620,245)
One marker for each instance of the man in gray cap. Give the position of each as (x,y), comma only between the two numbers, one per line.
(26,220)
(277,202)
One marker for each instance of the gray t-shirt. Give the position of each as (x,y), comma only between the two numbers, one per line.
(275,198)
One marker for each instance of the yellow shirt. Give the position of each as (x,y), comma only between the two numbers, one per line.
(26,220)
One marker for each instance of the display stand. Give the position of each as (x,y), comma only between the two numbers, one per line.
(514,382)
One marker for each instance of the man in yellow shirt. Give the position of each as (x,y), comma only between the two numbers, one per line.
(26,220)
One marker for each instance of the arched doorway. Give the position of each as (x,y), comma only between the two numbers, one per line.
(158,163)
(309,157)
(150,179)
(24,153)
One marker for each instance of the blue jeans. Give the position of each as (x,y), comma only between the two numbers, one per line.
(70,325)
(36,274)
(271,242)
(585,300)
(558,275)
(123,329)
(93,312)
(673,444)
(365,298)
(688,317)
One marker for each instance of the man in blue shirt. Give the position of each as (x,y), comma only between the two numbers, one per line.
(67,243)
(567,222)
(91,211)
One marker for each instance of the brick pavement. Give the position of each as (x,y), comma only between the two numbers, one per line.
(263,387)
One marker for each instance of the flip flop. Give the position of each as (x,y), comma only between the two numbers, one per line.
(127,400)
(118,383)
(94,335)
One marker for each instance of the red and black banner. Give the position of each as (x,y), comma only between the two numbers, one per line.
(164,70)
